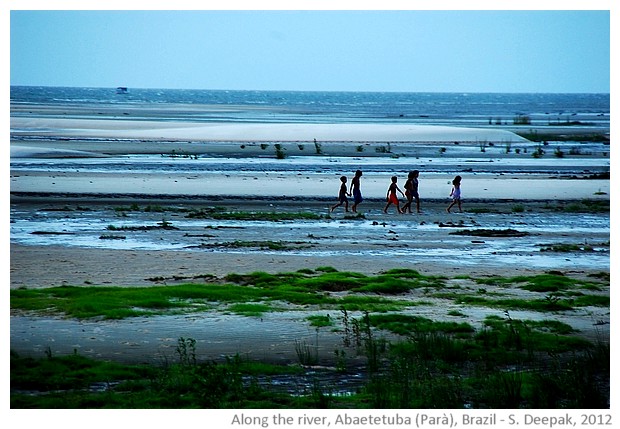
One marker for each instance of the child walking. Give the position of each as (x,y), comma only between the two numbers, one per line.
(411,191)
(455,194)
(392,198)
(342,195)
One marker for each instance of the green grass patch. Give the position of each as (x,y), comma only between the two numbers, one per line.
(541,336)
(330,280)
(592,301)
(549,303)
(320,320)
(218,214)
(552,326)
(69,372)
(296,288)
(63,382)
(548,283)
(250,310)
(541,282)
(570,247)
(582,206)
(407,325)
(119,302)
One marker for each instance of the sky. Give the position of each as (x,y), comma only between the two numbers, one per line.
(307,50)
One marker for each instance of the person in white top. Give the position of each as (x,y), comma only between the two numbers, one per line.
(455,194)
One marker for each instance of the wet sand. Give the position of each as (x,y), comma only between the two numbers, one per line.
(369,245)
(372,245)
(304,185)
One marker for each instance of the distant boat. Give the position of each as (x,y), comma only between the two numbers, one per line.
(121,90)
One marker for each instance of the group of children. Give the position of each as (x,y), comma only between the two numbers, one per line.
(411,193)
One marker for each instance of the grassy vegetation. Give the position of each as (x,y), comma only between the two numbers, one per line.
(325,288)
(543,137)
(164,224)
(572,247)
(280,151)
(219,214)
(481,232)
(480,210)
(405,324)
(548,282)
(320,321)
(296,288)
(261,244)
(548,303)
(503,362)
(78,382)
(250,310)
(111,237)
(508,363)
(558,293)
(531,336)
(583,206)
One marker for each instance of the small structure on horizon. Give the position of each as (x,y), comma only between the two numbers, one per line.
(121,90)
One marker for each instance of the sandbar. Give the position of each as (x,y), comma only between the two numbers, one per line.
(155,130)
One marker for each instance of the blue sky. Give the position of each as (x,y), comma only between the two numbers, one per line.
(436,51)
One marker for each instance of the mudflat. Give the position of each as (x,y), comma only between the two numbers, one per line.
(141,241)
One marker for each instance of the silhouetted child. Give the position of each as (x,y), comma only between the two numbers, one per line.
(355,190)
(411,191)
(342,195)
(392,198)
(455,194)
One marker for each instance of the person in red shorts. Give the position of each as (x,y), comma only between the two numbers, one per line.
(392,198)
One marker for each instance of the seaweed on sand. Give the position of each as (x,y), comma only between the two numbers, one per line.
(491,232)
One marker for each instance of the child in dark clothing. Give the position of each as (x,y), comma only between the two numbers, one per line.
(342,195)
(355,190)
(411,191)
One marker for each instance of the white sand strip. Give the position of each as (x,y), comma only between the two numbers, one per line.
(257,132)
(535,187)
